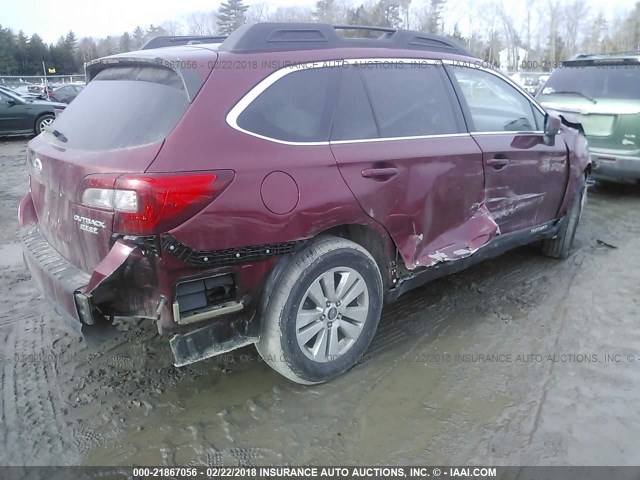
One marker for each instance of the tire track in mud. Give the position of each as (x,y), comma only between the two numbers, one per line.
(32,400)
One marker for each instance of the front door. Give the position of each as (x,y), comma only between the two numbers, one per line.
(525,179)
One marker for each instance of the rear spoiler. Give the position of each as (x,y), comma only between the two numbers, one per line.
(172,41)
(192,78)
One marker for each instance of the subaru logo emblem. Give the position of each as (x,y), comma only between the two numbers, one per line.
(37,166)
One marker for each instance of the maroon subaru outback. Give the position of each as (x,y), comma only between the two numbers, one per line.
(278,188)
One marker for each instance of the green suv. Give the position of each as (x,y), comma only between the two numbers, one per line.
(602,92)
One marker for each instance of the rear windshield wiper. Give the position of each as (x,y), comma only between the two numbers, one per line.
(573,92)
(58,134)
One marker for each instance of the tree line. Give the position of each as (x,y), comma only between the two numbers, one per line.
(548,31)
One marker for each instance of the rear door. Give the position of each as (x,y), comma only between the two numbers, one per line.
(525,179)
(399,139)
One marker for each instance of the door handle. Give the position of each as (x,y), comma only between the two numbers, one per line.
(379,172)
(499,161)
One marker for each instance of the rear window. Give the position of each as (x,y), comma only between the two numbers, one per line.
(124,107)
(596,81)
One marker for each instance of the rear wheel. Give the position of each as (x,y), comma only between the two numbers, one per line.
(560,245)
(42,122)
(323,312)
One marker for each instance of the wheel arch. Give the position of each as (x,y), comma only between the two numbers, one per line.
(378,243)
(375,240)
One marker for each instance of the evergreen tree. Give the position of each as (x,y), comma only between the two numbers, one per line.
(231,16)
(138,37)
(153,32)
(70,41)
(106,46)
(7,50)
(125,42)
(37,52)
(22,55)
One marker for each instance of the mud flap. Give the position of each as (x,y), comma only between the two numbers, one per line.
(206,342)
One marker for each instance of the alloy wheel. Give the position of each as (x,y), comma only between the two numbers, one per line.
(332,314)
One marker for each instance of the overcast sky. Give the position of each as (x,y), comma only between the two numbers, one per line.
(113,17)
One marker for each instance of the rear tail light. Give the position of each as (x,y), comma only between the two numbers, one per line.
(153,203)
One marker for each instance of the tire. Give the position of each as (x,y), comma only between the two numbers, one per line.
(43,121)
(560,245)
(307,339)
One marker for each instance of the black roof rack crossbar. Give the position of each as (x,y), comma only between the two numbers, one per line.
(267,37)
(365,28)
(607,54)
(174,40)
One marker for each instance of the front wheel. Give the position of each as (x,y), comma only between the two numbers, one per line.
(43,121)
(560,245)
(323,312)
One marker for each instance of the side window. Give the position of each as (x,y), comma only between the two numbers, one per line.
(410,99)
(539,116)
(495,105)
(296,108)
(353,119)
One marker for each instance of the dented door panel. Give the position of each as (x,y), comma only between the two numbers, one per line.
(431,202)
(525,179)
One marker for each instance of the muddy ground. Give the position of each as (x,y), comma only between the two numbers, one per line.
(562,386)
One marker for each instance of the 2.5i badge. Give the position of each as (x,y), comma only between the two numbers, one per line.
(89,224)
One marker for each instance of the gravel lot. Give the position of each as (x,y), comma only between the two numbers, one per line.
(518,361)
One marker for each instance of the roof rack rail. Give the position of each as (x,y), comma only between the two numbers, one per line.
(607,54)
(272,37)
(172,41)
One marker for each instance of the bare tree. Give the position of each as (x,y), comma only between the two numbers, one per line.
(257,12)
(202,23)
(291,14)
(554,8)
(87,49)
(574,15)
(173,27)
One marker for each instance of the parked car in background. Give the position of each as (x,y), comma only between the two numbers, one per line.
(65,93)
(602,92)
(21,116)
(532,82)
(6,90)
(31,91)
(282,205)
(529,81)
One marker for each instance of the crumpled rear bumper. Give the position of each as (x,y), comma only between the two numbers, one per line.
(58,279)
(67,286)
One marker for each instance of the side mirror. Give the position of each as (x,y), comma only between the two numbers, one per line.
(11,102)
(552,124)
